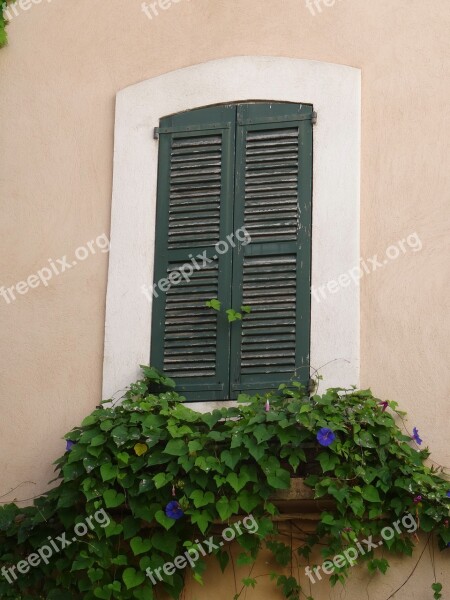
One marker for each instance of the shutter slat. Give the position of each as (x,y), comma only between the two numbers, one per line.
(271,312)
(196,189)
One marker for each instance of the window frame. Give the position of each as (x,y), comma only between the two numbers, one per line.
(334,90)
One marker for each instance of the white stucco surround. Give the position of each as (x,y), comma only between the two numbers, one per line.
(334,90)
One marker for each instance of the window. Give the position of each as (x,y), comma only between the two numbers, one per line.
(222,170)
(335,92)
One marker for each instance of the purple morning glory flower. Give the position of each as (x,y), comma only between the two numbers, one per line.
(174,511)
(384,404)
(417,499)
(416,436)
(325,436)
(69,445)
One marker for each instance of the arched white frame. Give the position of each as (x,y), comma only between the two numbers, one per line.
(334,91)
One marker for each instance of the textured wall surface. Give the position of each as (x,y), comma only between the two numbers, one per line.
(59,76)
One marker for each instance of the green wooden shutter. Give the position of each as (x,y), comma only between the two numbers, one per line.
(190,342)
(273,184)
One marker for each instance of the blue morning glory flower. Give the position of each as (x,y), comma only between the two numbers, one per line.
(174,510)
(448,494)
(325,436)
(416,436)
(69,445)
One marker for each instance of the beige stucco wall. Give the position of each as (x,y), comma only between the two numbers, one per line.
(59,76)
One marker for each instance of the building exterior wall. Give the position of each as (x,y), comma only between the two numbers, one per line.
(59,78)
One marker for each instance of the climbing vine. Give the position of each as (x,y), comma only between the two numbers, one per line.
(3,36)
(168,477)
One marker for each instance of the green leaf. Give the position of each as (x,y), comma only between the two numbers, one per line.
(95,574)
(98,440)
(109,471)
(328,461)
(164,520)
(113,499)
(120,560)
(262,433)
(370,493)
(237,482)
(123,457)
(202,498)
(230,459)
(140,546)
(130,527)
(120,435)
(328,519)
(226,507)
(223,558)
(233,315)
(103,592)
(366,440)
(279,480)
(202,519)
(107,425)
(194,446)
(161,479)
(211,418)
(82,563)
(214,304)
(73,471)
(176,448)
(132,578)
(256,450)
(89,420)
(165,541)
(248,501)
(113,529)
(249,582)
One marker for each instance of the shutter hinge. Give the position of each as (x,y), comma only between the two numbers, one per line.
(314,118)
(156,133)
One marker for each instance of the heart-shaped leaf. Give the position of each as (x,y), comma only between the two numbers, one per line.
(113,499)
(140,449)
(132,578)
(140,546)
